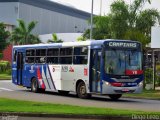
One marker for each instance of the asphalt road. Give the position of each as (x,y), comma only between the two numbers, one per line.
(9,90)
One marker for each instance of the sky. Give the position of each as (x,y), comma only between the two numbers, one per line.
(85,5)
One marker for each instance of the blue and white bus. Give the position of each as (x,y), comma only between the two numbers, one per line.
(107,67)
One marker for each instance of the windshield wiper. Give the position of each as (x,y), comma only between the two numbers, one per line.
(119,60)
(129,59)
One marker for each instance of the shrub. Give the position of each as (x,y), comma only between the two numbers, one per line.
(9,72)
(148,76)
(158,68)
(4,66)
(158,75)
(1,55)
(157,80)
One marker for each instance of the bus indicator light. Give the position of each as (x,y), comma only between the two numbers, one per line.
(85,71)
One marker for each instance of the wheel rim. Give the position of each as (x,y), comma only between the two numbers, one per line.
(34,85)
(83,90)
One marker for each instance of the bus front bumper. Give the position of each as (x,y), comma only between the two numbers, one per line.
(108,89)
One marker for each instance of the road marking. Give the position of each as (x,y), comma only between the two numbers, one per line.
(6,89)
(5,81)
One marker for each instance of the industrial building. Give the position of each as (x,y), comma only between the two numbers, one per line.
(52,17)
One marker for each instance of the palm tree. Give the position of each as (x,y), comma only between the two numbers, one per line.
(55,39)
(22,33)
(131,17)
(81,38)
(126,22)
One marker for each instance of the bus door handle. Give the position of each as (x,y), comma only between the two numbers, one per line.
(93,69)
(98,72)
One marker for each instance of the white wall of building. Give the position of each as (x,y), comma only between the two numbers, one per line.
(66,37)
(9,12)
(155,37)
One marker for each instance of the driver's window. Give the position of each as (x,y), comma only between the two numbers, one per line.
(14,56)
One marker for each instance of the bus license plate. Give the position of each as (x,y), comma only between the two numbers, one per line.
(125,90)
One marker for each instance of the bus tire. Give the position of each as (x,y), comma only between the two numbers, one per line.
(28,88)
(115,96)
(34,86)
(81,91)
(41,90)
(61,92)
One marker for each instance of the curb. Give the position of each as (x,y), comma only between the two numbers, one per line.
(5,79)
(142,98)
(106,117)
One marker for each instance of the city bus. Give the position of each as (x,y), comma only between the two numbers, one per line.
(103,67)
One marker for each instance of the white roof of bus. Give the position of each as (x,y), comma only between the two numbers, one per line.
(68,44)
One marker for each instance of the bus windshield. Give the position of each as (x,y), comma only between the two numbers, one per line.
(123,62)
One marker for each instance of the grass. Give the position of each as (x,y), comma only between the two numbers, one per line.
(10,105)
(5,76)
(148,94)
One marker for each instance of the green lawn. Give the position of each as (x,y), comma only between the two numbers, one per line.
(5,77)
(9,105)
(151,94)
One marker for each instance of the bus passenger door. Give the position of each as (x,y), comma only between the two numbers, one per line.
(95,70)
(20,65)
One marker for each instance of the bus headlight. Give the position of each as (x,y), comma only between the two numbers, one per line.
(107,83)
(140,84)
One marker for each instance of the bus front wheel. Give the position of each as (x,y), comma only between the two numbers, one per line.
(81,91)
(115,96)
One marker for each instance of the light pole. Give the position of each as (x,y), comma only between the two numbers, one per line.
(91,29)
(100,7)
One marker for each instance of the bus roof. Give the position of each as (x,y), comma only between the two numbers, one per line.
(69,44)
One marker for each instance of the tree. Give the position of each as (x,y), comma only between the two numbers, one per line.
(101,28)
(33,39)
(126,22)
(132,19)
(137,36)
(22,33)
(146,19)
(55,39)
(119,19)
(81,38)
(3,38)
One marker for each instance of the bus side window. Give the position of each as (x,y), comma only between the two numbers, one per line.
(30,56)
(52,55)
(66,55)
(40,55)
(15,56)
(80,55)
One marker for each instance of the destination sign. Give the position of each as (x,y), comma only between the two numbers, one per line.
(122,44)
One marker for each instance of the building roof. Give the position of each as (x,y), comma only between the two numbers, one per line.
(54,6)
(75,44)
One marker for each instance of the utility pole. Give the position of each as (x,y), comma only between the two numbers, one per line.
(153,65)
(100,7)
(91,29)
